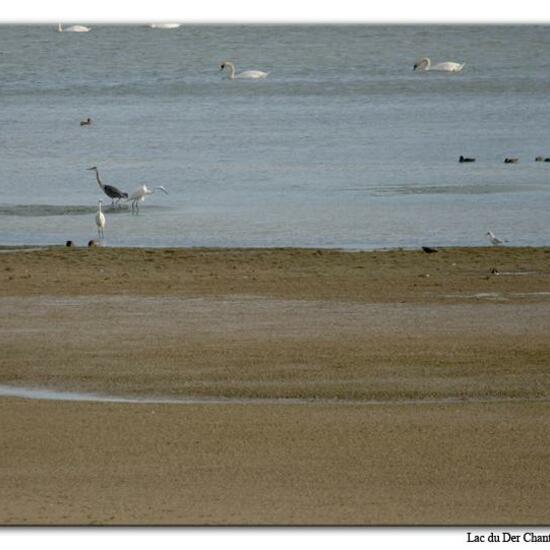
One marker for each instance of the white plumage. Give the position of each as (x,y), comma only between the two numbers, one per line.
(494,240)
(100,220)
(253,75)
(140,193)
(73,28)
(425,64)
(164,25)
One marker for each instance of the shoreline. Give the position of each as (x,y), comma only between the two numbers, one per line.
(449,276)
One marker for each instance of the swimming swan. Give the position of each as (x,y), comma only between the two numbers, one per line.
(245,74)
(164,25)
(425,64)
(74,28)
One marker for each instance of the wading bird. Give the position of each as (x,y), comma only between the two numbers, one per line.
(245,74)
(100,220)
(140,193)
(110,190)
(494,240)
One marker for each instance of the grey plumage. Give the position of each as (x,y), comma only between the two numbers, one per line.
(114,193)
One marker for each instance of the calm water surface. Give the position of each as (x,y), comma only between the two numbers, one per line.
(342,146)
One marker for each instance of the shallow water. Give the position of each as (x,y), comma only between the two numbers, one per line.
(61,395)
(342,146)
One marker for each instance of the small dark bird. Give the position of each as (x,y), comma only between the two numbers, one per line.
(86,122)
(69,243)
(465,159)
(510,161)
(114,193)
(429,249)
(92,243)
(539,159)
(547,160)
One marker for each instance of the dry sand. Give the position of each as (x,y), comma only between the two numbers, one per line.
(422,383)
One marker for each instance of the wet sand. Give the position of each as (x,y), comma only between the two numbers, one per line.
(420,384)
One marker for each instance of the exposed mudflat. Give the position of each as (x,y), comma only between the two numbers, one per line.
(428,375)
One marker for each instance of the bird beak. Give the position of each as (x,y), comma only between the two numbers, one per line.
(92,168)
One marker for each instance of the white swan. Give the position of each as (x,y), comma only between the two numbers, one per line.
(425,64)
(245,74)
(164,25)
(74,28)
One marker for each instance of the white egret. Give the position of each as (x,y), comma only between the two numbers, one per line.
(494,240)
(73,28)
(100,220)
(140,193)
(425,64)
(230,66)
(110,190)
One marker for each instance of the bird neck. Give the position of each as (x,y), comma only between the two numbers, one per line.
(98,180)
(231,69)
(99,207)
(427,63)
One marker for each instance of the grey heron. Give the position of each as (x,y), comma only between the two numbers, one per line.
(110,190)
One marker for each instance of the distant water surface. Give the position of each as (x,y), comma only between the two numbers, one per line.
(342,146)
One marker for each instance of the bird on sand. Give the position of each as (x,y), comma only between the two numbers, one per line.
(114,193)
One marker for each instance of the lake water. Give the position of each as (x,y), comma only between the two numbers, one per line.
(343,145)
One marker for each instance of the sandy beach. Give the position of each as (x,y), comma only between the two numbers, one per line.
(342,388)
